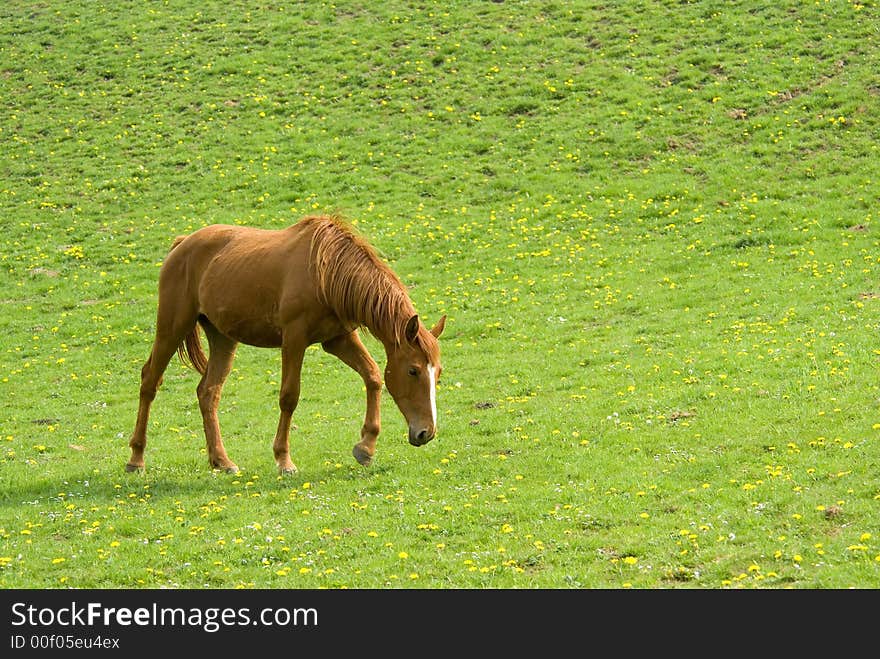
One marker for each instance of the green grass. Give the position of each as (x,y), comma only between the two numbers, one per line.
(651,226)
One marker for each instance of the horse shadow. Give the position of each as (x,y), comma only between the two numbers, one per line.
(84,486)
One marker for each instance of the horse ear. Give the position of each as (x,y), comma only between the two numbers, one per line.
(412,329)
(437,330)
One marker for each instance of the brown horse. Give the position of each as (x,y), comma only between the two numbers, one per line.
(316,281)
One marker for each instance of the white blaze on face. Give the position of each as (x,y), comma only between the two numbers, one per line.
(432,383)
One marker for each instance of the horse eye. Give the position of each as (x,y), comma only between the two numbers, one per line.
(413,371)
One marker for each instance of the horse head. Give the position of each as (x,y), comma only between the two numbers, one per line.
(411,377)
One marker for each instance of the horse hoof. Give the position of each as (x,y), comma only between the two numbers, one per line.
(130,468)
(361,455)
(287,471)
(233,469)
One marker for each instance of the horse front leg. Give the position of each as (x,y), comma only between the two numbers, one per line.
(351,351)
(292,353)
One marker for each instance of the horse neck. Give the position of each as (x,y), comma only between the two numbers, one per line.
(373,298)
(361,290)
(391,312)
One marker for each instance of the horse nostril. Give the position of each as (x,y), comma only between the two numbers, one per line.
(421,436)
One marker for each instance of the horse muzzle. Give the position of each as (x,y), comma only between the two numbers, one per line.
(421,436)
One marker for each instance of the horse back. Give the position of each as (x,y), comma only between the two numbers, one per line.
(246,281)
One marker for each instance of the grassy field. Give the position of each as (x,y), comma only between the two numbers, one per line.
(651,226)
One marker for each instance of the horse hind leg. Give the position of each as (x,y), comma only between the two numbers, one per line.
(168,337)
(221,354)
(151,378)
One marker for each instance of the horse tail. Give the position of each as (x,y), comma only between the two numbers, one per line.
(191,353)
(190,349)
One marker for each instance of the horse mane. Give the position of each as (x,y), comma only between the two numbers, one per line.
(353,280)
